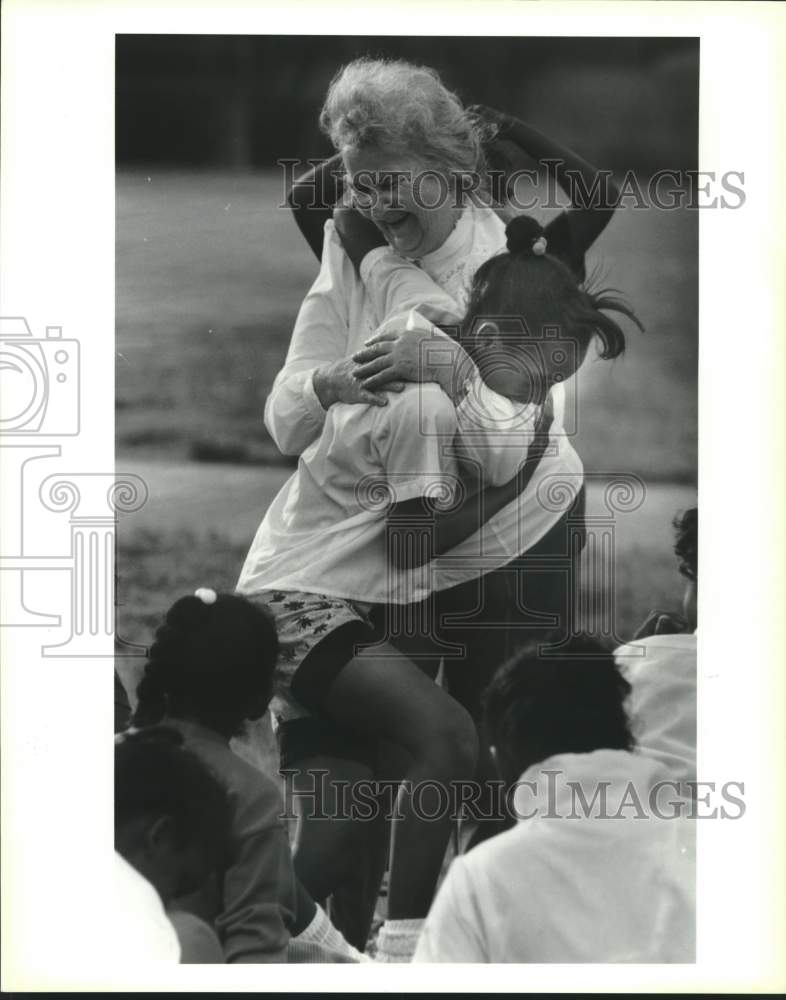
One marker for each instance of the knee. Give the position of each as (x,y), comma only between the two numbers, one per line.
(452,745)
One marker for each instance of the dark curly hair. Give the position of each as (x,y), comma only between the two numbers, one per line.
(156,776)
(686,545)
(213,662)
(542,292)
(537,706)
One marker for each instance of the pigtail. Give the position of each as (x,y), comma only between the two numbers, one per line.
(212,659)
(151,697)
(599,302)
(165,670)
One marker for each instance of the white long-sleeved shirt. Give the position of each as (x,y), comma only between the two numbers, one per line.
(335,319)
(661,670)
(570,883)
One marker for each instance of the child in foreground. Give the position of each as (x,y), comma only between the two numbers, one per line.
(209,670)
(172,823)
(598,867)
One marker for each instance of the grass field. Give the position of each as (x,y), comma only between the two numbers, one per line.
(210,273)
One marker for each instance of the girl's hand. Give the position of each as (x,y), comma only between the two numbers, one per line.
(336,383)
(358,234)
(490,115)
(406,348)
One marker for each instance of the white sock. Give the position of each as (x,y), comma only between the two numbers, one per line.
(398,939)
(321,941)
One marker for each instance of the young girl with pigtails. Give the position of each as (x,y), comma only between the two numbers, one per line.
(209,670)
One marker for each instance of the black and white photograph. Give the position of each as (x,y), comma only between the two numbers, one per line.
(393,566)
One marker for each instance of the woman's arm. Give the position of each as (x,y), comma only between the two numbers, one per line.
(316,372)
(312,198)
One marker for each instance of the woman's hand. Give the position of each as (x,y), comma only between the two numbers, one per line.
(409,349)
(358,234)
(336,383)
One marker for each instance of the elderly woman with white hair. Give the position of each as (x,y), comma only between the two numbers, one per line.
(414,164)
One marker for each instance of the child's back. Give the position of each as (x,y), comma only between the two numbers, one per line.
(325,530)
(564,887)
(257,896)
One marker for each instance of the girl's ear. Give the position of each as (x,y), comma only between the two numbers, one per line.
(486,332)
(159,833)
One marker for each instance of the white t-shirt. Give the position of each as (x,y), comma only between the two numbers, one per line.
(585,889)
(335,319)
(325,531)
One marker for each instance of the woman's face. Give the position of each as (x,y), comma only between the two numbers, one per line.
(410,203)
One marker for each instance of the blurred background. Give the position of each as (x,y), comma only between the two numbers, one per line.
(243,102)
(210,271)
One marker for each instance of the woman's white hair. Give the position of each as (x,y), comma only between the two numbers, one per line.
(397,106)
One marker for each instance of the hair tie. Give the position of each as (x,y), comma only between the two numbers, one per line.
(525,236)
(206,595)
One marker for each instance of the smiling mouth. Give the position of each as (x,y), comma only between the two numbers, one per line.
(396,220)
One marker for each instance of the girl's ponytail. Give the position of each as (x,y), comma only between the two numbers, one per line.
(166,671)
(606,329)
(212,659)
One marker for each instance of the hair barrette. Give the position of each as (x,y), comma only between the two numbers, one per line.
(206,595)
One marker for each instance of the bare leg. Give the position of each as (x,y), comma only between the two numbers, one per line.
(387,696)
(327,839)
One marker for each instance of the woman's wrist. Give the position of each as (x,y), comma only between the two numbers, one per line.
(323,386)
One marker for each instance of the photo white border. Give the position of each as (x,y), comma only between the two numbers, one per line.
(58,269)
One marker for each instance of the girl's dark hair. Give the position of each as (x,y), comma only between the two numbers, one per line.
(686,546)
(213,662)
(533,282)
(156,776)
(537,706)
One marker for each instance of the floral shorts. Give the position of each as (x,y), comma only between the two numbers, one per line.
(317,637)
